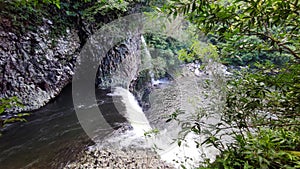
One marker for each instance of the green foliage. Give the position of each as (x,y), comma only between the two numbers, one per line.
(162,42)
(247,55)
(264,149)
(35,3)
(151,133)
(275,22)
(94,13)
(199,51)
(20,16)
(7,104)
(268,97)
(164,52)
(174,115)
(262,114)
(262,104)
(105,6)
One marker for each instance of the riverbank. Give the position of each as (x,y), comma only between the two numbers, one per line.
(95,157)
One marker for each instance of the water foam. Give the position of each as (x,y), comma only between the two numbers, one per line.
(134,113)
(169,151)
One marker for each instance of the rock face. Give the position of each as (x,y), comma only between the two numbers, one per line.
(35,67)
(121,64)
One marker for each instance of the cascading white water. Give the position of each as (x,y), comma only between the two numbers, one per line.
(146,56)
(134,113)
(190,100)
(147,62)
(167,150)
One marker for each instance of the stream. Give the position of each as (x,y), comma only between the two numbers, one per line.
(51,136)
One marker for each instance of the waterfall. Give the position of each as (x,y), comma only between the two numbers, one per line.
(146,56)
(163,142)
(169,151)
(147,62)
(134,113)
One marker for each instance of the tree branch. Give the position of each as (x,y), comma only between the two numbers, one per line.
(297,56)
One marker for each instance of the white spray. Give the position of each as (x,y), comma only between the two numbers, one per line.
(168,151)
(147,63)
(134,113)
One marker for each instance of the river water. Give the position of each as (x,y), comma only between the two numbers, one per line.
(51,136)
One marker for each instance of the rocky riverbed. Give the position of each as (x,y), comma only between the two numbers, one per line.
(112,158)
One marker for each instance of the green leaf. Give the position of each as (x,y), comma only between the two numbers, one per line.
(179,143)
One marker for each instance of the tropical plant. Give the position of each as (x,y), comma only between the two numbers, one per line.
(199,51)
(261,111)
(265,149)
(35,3)
(261,117)
(164,51)
(275,23)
